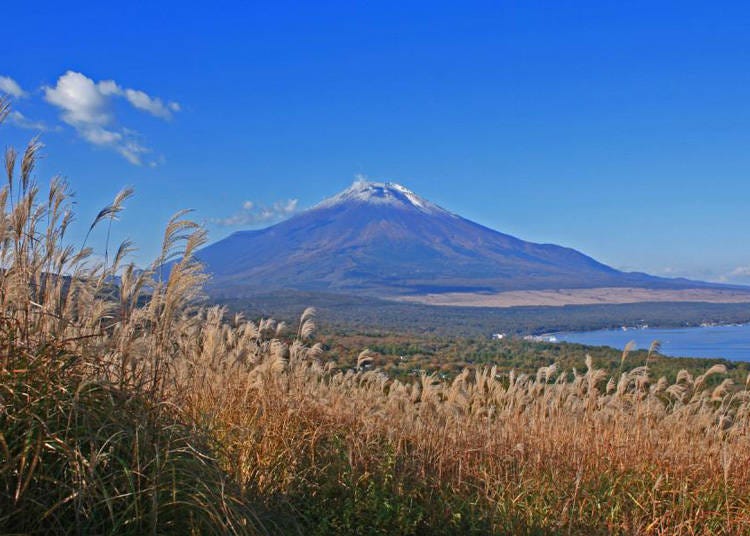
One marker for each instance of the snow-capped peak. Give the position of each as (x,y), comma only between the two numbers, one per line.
(381,193)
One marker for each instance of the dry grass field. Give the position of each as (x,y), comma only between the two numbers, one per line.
(127,407)
(589,296)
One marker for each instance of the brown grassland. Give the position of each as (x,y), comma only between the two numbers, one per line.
(590,296)
(127,407)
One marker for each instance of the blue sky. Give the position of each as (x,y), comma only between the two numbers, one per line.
(619,128)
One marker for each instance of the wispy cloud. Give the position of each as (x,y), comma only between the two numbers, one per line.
(253,213)
(21,121)
(741,273)
(11,87)
(703,274)
(140,100)
(87,106)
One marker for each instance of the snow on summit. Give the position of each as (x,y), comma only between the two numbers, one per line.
(381,193)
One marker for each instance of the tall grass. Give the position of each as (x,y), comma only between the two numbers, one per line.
(91,441)
(126,406)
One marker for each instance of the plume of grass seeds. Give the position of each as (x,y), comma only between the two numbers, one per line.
(626,351)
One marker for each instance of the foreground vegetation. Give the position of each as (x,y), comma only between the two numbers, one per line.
(128,408)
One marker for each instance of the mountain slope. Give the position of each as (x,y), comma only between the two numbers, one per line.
(382,239)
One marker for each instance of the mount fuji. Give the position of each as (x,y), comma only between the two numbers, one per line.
(382,239)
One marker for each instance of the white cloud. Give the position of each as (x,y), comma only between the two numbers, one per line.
(100,136)
(738,275)
(143,101)
(11,87)
(132,151)
(252,213)
(109,87)
(719,274)
(139,100)
(740,271)
(86,106)
(21,121)
(80,99)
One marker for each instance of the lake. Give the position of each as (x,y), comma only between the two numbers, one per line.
(729,342)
